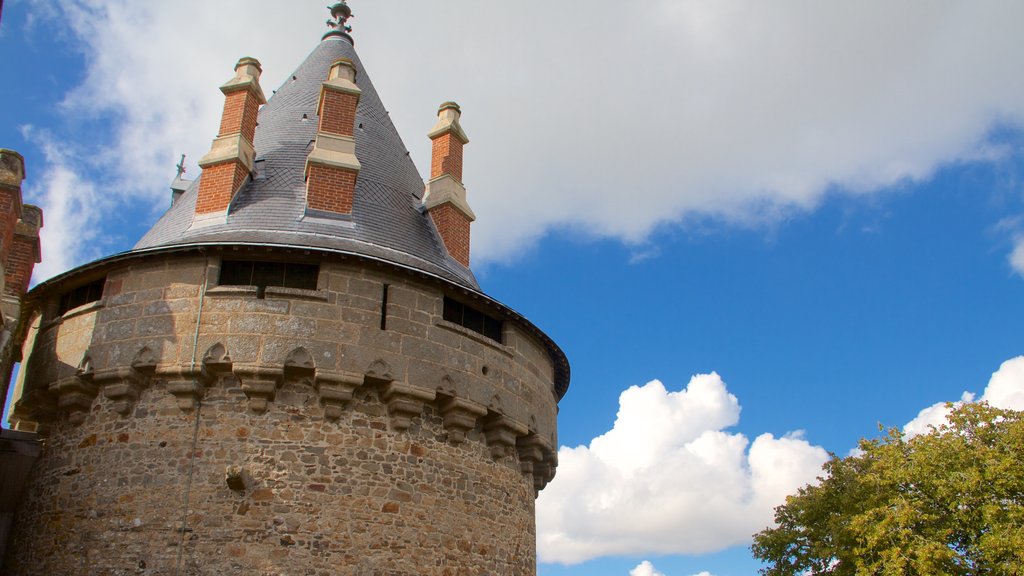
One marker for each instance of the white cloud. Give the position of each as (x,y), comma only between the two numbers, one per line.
(1017,256)
(71,207)
(645,569)
(1005,390)
(739,111)
(668,479)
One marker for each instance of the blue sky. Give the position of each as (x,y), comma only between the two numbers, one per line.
(808,218)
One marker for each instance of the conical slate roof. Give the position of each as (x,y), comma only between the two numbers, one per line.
(387,221)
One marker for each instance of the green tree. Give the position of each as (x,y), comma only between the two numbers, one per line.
(950,502)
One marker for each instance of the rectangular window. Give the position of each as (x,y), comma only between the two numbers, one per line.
(473,319)
(264,274)
(81,296)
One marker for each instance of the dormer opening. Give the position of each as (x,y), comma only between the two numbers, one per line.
(86,294)
(472,319)
(263,274)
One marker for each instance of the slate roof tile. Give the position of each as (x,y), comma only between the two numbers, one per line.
(386,222)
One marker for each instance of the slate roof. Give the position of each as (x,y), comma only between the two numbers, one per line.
(387,222)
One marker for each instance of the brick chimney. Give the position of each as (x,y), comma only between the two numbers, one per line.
(230,160)
(332,167)
(12,174)
(19,232)
(25,252)
(445,196)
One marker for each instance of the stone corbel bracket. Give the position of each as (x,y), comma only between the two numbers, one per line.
(460,416)
(123,386)
(36,406)
(260,384)
(405,402)
(336,390)
(189,385)
(76,394)
(501,433)
(534,453)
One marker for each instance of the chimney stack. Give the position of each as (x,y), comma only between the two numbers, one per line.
(332,167)
(231,158)
(25,252)
(445,196)
(19,231)
(12,174)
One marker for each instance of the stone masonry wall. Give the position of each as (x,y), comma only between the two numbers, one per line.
(304,437)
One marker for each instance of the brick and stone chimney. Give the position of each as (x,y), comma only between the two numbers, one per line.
(231,158)
(12,174)
(445,196)
(332,167)
(19,233)
(25,252)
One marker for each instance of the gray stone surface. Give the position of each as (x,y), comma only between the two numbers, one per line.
(326,445)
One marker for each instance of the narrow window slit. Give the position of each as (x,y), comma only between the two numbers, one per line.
(384,308)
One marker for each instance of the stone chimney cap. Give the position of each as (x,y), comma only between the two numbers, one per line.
(247,77)
(12,167)
(449,106)
(249,61)
(32,216)
(448,115)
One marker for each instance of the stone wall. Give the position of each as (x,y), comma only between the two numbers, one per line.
(288,434)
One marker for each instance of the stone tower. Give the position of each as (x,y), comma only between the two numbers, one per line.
(294,371)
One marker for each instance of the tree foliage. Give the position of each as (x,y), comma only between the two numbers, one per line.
(950,502)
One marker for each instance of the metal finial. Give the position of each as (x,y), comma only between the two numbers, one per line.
(340,13)
(181,167)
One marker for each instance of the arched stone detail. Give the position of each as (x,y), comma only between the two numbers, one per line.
(380,370)
(216,360)
(85,368)
(446,386)
(299,364)
(496,404)
(145,361)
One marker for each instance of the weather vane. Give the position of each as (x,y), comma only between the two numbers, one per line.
(181,167)
(340,13)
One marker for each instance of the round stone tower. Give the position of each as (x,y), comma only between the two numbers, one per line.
(294,371)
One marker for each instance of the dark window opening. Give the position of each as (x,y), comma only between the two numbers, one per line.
(384,308)
(473,319)
(264,274)
(81,296)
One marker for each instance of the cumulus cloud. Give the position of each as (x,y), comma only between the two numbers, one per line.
(1005,390)
(737,111)
(669,479)
(645,569)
